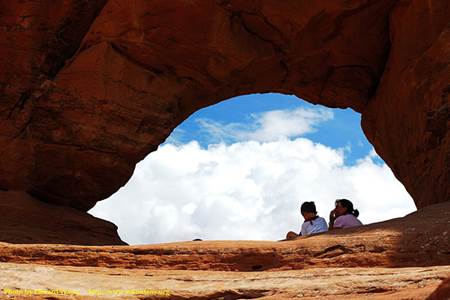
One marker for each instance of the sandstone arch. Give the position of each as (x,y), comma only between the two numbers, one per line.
(88,88)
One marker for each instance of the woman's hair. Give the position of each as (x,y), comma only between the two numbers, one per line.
(308,207)
(349,206)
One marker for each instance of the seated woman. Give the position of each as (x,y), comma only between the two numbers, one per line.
(312,224)
(344,216)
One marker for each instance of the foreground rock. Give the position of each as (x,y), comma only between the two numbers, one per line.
(89,88)
(27,220)
(318,283)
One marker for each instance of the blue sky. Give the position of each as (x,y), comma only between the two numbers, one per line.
(239,170)
(343,130)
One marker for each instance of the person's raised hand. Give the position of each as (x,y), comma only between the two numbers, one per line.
(332,215)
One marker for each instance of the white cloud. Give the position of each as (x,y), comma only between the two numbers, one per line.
(268,126)
(246,190)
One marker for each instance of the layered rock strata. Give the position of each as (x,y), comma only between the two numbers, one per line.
(321,283)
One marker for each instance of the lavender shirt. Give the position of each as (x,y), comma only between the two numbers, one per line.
(346,221)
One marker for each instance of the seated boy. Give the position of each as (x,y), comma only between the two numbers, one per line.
(312,224)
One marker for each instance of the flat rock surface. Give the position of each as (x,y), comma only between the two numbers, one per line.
(319,283)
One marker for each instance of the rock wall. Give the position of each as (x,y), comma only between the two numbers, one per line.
(89,88)
(408,119)
(26,220)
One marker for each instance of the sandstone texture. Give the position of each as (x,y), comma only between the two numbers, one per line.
(89,88)
(320,283)
(397,259)
(27,220)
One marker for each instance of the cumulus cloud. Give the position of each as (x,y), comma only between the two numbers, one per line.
(246,190)
(268,126)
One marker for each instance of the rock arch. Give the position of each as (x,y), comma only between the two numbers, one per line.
(88,89)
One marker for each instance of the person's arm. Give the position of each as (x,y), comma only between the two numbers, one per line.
(291,235)
(332,219)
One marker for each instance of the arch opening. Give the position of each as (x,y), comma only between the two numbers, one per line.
(240,169)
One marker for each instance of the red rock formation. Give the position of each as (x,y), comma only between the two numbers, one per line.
(408,118)
(89,88)
(93,283)
(26,220)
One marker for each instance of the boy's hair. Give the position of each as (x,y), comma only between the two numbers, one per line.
(308,207)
